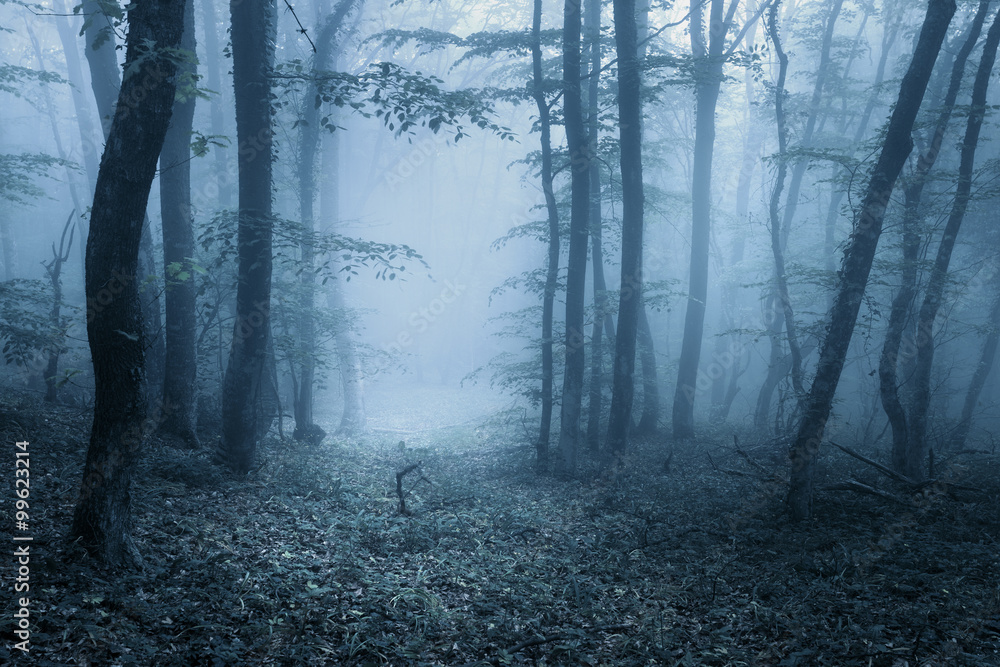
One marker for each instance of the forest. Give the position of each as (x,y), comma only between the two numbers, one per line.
(476,332)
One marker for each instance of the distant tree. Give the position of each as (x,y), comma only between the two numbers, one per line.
(102,518)
(853,276)
(57,322)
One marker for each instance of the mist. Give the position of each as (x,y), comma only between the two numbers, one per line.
(501,333)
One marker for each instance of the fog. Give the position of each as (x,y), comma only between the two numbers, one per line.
(784,209)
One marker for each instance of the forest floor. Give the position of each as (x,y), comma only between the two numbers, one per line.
(310,562)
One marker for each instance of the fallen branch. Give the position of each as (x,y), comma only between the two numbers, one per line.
(737,473)
(854,485)
(888,472)
(399,484)
(759,467)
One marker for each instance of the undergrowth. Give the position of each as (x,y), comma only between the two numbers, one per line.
(309,562)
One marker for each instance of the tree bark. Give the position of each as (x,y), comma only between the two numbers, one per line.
(213,80)
(630,296)
(649,418)
(247,389)
(552,270)
(853,277)
(900,311)
(576,273)
(102,518)
(708,62)
(982,371)
(913,460)
(180,362)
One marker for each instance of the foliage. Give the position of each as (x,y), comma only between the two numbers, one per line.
(25,328)
(18,173)
(308,562)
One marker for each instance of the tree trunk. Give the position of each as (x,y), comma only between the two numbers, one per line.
(102,518)
(180,362)
(552,270)
(576,273)
(913,460)
(859,255)
(595,405)
(213,80)
(54,270)
(799,171)
(708,61)
(309,142)
(105,79)
(900,311)
(246,389)
(649,418)
(982,371)
(630,296)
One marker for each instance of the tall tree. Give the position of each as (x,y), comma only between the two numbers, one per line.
(857,264)
(983,368)
(630,297)
(247,387)
(309,144)
(902,303)
(912,462)
(708,62)
(102,518)
(552,269)
(180,362)
(576,271)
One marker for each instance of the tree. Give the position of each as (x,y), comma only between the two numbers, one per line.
(309,143)
(630,297)
(247,389)
(857,264)
(180,363)
(552,213)
(102,518)
(576,271)
(911,463)
(900,311)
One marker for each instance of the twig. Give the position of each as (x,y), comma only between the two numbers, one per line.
(854,485)
(738,473)
(399,484)
(301,27)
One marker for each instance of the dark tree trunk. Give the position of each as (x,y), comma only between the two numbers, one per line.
(982,371)
(102,519)
(602,315)
(912,462)
(552,270)
(900,313)
(180,363)
(246,389)
(105,79)
(576,273)
(630,297)
(859,255)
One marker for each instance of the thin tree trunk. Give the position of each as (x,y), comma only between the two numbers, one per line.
(630,307)
(54,271)
(213,80)
(859,255)
(708,62)
(247,389)
(595,406)
(552,271)
(576,273)
(823,70)
(914,458)
(649,419)
(102,519)
(982,371)
(179,358)
(902,303)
